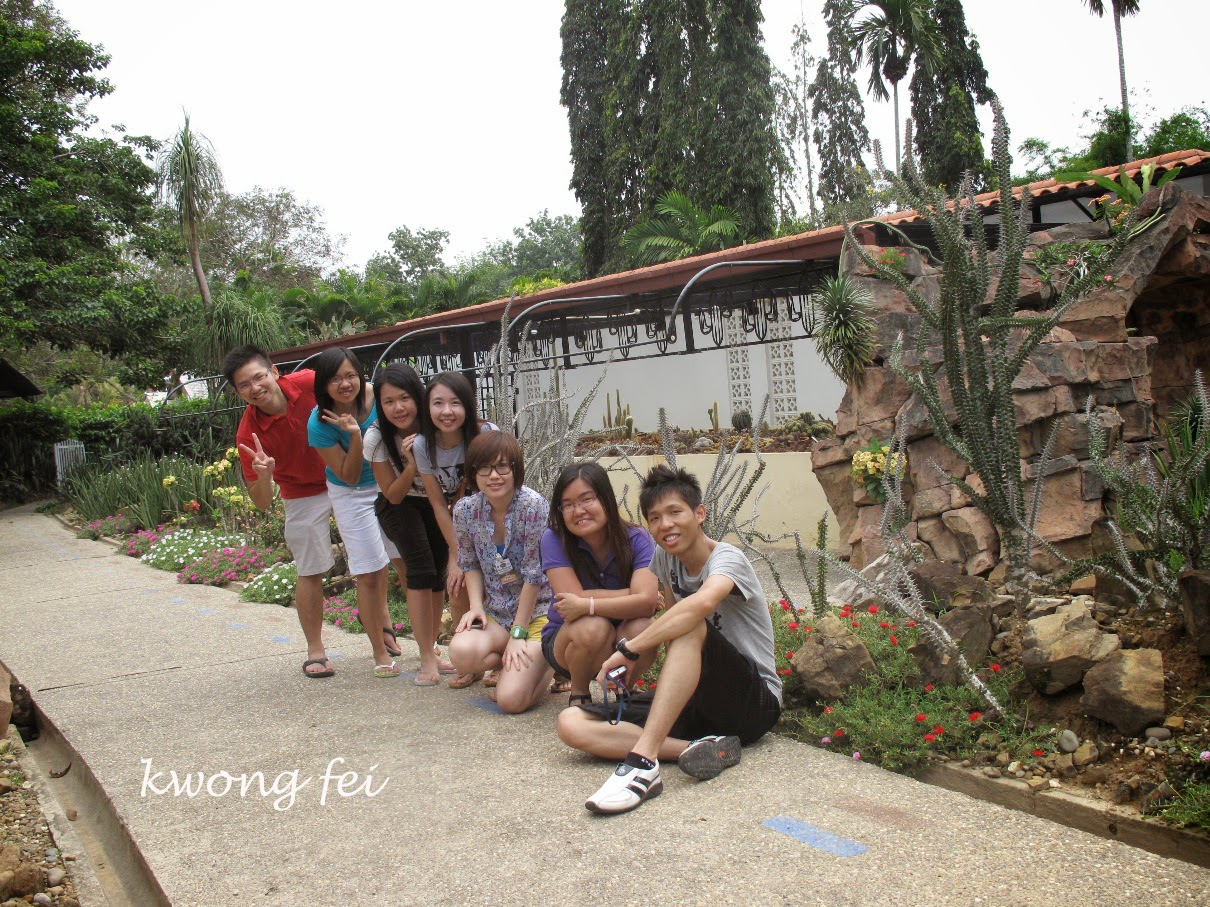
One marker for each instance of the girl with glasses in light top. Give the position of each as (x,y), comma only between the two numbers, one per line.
(598,566)
(344,409)
(440,451)
(499,534)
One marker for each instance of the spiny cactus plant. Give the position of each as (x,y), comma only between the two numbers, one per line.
(712,413)
(741,420)
(984,343)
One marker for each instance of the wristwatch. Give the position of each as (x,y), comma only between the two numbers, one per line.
(517,631)
(625,650)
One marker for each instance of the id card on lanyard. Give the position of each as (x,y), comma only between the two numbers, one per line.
(505,571)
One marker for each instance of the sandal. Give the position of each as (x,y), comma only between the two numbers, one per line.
(387,671)
(460,681)
(426,680)
(579,699)
(396,651)
(327,672)
(444,666)
(492,678)
(560,684)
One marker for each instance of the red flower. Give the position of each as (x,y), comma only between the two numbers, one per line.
(807,629)
(929,737)
(928,688)
(873,609)
(975,716)
(640,683)
(785,605)
(784,671)
(827,710)
(938,730)
(1039,753)
(651,686)
(883,624)
(839,732)
(911,623)
(995,669)
(894,640)
(789,656)
(921,717)
(792,625)
(855,624)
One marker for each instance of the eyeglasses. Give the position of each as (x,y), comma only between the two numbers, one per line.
(244,386)
(500,469)
(583,502)
(348,378)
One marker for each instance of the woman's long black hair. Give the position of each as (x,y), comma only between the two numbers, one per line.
(404,377)
(617,533)
(327,364)
(462,389)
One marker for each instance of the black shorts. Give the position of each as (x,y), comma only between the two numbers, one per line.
(412,526)
(548,648)
(731,697)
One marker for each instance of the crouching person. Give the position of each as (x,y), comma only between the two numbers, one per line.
(718,688)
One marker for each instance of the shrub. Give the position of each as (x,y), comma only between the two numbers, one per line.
(185,546)
(146,489)
(227,565)
(113,526)
(142,541)
(274,586)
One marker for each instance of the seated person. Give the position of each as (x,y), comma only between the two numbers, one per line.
(718,687)
(598,568)
(498,532)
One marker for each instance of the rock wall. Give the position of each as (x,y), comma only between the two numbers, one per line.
(1132,347)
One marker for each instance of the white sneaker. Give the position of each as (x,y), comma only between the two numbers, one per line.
(626,788)
(707,756)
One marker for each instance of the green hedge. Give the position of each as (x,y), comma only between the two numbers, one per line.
(110,434)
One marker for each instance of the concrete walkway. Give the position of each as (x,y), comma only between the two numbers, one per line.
(470,806)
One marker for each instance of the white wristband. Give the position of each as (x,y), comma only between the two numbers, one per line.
(592,605)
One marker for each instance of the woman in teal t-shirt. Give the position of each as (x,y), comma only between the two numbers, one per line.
(345,408)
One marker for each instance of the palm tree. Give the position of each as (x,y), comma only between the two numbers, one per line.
(1120,8)
(191,182)
(896,34)
(684,229)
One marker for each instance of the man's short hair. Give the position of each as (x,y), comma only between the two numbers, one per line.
(664,480)
(237,359)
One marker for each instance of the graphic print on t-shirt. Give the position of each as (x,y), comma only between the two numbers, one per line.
(451,480)
(679,592)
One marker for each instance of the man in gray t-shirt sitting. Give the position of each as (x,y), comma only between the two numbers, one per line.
(718,687)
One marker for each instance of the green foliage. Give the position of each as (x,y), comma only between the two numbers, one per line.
(417,254)
(1185,129)
(341,610)
(1129,194)
(140,490)
(190,183)
(1191,807)
(1120,8)
(229,564)
(1059,263)
(870,463)
(275,586)
(681,230)
(69,199)
(846,337)
(741,419)
(792,120)
(185,546)
(838,113)
(807,423)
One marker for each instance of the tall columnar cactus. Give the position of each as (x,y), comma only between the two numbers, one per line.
(984,343)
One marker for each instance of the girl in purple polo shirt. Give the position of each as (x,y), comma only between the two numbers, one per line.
(597,565)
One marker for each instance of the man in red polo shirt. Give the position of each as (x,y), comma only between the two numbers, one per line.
(272,438)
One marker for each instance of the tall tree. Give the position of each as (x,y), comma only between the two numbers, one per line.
(191,181)
(838,113)
(894,35)
(793,122)
(589,26)
(418,253)
(681,229)
(1120,8)
(737,150)
(70,200)
(943,101)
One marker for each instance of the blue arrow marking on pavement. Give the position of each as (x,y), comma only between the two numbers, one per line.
(332,655)
(236,625)
(815,837)
(483,702)
(205,610)
(177,601)
(279,638)
(149,592)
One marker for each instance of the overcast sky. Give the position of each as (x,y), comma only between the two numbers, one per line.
(447,114)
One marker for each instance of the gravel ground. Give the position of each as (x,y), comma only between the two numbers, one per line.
(31,866)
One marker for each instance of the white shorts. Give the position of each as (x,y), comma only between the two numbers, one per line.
(307,533)
(366,547)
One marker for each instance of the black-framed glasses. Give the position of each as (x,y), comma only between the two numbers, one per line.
(617,679)
(244,386)
(500,469)
(583,502)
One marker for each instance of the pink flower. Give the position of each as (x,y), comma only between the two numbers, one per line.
(1108,278)
(825,740)
(857,755)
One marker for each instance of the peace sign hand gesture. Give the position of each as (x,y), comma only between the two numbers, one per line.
(343,421)
(262,464)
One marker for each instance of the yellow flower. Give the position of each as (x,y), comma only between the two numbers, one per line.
(168,481)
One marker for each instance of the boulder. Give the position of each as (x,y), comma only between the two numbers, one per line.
(945,546)
(831,660)
(1057,649)
(977,536)
(945,586)
(1126,689)
(971,628)
(1195,606)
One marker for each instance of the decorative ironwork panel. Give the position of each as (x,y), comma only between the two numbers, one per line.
(739,375)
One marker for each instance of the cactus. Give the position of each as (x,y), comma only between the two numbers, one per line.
(741,420)
(712,412)
(615,417)
(628,432)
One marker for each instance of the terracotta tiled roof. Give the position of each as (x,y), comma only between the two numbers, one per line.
(1044,188)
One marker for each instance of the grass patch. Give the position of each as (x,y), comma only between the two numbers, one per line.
(1191,807)
(341,610)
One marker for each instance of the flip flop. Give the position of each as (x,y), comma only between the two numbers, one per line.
(314,675)
(492,678)
(387,671)
(393,652)
(426,680)
(560,685)
(461,681)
